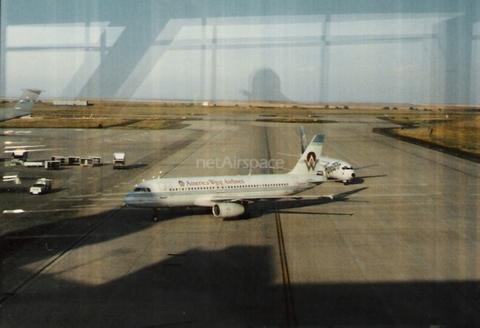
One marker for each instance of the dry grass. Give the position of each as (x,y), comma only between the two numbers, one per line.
(155,115)
(463,132)
(460,129)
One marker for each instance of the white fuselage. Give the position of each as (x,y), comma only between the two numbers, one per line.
(206,191)
(338,170)
(228,195)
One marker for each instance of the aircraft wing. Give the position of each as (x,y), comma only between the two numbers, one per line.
(22,107)
(27,148)
(364,167)
(239,199)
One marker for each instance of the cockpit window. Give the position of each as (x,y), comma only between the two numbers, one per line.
(141,189)
(347,168)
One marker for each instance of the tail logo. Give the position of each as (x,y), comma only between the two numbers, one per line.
(311,161)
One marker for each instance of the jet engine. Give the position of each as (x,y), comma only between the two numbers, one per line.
(227,210)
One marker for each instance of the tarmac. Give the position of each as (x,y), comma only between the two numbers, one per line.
(396,248)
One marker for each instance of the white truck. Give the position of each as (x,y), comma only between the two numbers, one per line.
(33,164)
(41,186)
(118,160)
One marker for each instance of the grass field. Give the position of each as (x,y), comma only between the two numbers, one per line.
(156,115)
(460,130)
(453,126)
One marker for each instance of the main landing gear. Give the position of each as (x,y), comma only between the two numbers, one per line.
(246,213)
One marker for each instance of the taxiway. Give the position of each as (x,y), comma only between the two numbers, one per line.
(399,247)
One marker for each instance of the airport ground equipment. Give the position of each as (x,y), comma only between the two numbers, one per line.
(74,160)
(118,160)
(61,159)
(97,160)
(52,165)
(41,186)
(91,161)
(33,164)
(19,156)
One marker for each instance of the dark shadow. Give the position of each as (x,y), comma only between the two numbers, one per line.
(171,213)
(234,286)
(7,187)
(265,86)
(131,166)
(258,210)
(361,179)
(24,188)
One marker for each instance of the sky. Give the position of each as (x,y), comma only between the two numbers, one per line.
(397,51)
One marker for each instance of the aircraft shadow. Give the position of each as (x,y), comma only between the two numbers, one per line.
(360,180)
(132,166)
(236,286)
(257,210)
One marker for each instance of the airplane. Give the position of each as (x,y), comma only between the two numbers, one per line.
(19,151)
(228,196)
(22,107)
(334,169)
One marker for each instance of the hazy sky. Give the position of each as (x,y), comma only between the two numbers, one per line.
(306,51)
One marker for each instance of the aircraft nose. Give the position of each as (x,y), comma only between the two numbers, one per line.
(127,199)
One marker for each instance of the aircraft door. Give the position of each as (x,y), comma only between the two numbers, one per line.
(162,187)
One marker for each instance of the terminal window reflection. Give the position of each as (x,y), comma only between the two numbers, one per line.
(414,55)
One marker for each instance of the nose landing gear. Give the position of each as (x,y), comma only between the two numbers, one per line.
(155,215)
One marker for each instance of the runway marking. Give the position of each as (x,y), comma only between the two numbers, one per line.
(77,207)
(402,195)
(19,211)
(41,236)
(94,195)
(287,287)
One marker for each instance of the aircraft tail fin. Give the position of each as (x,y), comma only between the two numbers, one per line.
(309,161)
(30,94)
(22,107)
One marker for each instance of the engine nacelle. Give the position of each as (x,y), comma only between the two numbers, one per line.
(227,210)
